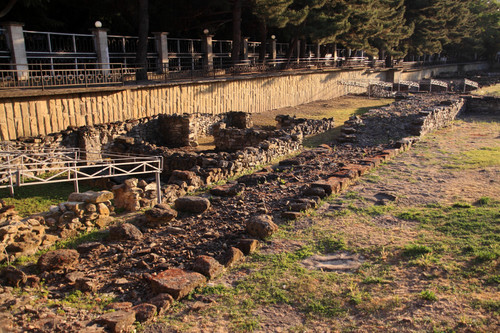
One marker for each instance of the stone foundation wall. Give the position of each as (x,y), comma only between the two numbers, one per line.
(233,139)
(483,104)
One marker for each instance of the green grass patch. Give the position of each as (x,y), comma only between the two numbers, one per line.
(29,200)
(473,159)
(428,295)
(493,90)
(468,236)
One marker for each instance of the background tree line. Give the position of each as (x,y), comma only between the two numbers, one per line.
(384,29)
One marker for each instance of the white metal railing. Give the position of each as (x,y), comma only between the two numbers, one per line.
(24,168)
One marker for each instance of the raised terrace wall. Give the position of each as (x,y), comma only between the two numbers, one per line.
(33,113)
(51,112)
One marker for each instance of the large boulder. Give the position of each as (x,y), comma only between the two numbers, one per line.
(192,204)
(261,226)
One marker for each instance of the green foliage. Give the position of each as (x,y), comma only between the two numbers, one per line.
(428,295)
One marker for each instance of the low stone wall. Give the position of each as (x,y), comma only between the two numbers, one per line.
(414,116)
(483,104)
(233,139)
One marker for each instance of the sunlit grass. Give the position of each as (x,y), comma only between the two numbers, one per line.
(489,91)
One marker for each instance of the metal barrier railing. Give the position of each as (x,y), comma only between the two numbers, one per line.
(24,168)
(63,75)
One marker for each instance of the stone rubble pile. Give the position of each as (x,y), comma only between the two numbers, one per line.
(82,212)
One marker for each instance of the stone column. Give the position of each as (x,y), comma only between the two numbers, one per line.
(208,55)
(245,49)
(318,51)
(17,46)
(101,47)
(162,49)
(335,52)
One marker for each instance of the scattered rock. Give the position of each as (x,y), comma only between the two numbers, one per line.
(248,246)
(125,231)
(207,266)
(86,285)
(58,259)
(85,248)
(176,282)
(12,276)
(144,312)
(191,204)
(261,226)
(228,190)
(162,302)
(315,191)
(291,215)
(118,306)
(160,214)
(118,322)
(342,261)
(232,256)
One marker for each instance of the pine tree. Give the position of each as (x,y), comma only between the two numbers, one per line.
(392,30)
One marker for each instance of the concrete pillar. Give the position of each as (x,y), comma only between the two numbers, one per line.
(318,51)
(17,46)
(208,55)
(162,49)
(273,48)
(335,52)
(101,47)
(245,49)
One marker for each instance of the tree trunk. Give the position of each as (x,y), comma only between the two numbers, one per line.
(235,52)
(142,46)
(263,40)
(303,48)
(291,48)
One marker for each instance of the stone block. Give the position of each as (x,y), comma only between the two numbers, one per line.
(176,282)
(261,226)
(91,196)
(248,246)
(192,204)
(207,266)
(58,259)
(119,321)
(232,256)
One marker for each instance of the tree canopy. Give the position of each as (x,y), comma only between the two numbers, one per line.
(382,28)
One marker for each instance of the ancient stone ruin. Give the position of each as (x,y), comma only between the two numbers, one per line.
(175,246)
